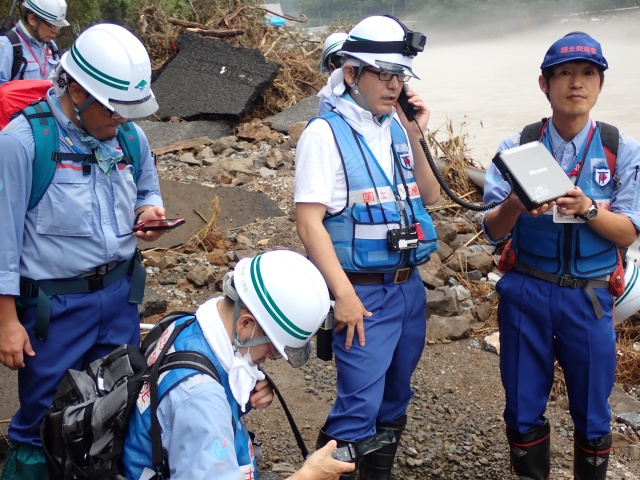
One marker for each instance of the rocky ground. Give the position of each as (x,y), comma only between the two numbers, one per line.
(455,428)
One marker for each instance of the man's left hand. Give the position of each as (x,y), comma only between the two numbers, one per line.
(262,395)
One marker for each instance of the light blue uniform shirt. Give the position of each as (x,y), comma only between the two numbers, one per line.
(194,419)
(82,221)
(626,198)
(38,56)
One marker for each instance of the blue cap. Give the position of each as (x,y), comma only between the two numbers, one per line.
(575,47)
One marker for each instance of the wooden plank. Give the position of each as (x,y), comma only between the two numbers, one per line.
(182,145)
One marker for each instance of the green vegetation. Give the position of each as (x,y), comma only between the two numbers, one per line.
(453,14)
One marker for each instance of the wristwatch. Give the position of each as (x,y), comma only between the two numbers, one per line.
(591,213)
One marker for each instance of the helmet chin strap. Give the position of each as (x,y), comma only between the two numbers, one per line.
(230,291)
(34,31)
(86,104)
(361,101)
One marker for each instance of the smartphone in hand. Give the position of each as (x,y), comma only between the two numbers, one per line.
(408,109)
(165,224)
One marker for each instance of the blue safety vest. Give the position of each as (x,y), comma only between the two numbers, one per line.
(137,452)
(573,249)
(375,205)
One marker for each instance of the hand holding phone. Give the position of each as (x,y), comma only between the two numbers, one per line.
(164,224)
(403,102)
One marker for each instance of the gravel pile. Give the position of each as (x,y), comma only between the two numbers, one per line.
(455,428)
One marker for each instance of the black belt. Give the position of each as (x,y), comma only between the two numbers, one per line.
(89,282)
(366,278)
(587,284)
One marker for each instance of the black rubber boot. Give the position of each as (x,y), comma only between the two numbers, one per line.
(530,452)
(591,459)
(377,465)
(323,439)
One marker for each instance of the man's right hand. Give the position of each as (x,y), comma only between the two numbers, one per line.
(320,466)
(14,341)
(349,313)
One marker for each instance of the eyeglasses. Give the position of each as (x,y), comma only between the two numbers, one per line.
(50,25)
(385,76)
(112,113)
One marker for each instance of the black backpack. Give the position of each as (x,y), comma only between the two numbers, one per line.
(83,432)
(609,135)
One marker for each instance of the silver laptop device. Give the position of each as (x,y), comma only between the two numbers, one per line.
(536,176)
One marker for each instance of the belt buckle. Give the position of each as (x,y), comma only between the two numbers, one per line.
(402,275)
(95,283)
(568,282)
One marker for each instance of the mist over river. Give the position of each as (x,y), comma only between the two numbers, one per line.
(488,88)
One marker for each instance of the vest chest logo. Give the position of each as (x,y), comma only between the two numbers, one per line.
(403,153)
(602,176)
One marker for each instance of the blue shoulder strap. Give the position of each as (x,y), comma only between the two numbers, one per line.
(45,136)
(130,143)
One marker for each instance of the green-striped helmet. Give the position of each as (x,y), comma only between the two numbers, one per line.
(287,296)
(52,11)
(113,66)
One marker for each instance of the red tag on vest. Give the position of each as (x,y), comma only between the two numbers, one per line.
(419,231)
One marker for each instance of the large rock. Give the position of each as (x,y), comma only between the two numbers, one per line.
(212,79)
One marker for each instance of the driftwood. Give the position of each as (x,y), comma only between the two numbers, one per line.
(182,145)
(206,31)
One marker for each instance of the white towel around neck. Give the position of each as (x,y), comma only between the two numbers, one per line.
(242,375)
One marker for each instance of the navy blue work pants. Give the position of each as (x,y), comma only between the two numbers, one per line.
(374,381)
(539,322)
(83,328)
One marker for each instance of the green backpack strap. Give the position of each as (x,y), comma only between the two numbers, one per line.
(45,136)
(130,143)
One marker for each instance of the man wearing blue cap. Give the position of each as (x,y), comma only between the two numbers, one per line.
(554,301)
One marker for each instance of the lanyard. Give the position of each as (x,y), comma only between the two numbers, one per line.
(43,68)
(69,142)
(578,163)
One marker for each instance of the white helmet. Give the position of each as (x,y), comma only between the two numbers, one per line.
(384,42)
(113,66)
(330,47)
(629,302)
(287,296)
(52,11)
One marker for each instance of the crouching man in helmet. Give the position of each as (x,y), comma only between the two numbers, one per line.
(39,24)
(361,183)
(272,306)
(70,278)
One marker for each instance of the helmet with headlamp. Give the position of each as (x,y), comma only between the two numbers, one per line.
(384,42)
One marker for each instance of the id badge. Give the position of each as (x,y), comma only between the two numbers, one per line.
(560,218)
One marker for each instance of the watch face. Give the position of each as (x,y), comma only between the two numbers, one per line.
(591,213)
